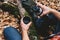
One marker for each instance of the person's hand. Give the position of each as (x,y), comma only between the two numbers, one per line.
(24,26)
(56,37)
(46,10)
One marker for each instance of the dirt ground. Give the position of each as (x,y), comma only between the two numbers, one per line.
(7,19)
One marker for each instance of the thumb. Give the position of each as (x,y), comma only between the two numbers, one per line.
(29,23)
(44,13)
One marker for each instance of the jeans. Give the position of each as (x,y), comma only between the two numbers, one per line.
(11,33)
(56,23)
(57,27)
(42,24)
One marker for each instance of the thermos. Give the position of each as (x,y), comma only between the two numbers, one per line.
(26,19)
(38,10)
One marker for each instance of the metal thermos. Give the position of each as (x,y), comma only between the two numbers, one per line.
(26,19)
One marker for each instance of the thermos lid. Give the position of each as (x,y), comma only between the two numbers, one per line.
(26,19)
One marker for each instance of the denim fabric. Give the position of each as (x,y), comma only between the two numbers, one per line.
(57,23)
(57,27)
(11,33)
(42,24)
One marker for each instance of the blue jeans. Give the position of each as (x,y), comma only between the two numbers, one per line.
(56,23)
(42,24)
(11,33)
(57,27)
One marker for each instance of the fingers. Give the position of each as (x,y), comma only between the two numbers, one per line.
(22,21)
(44,13)
(38,4)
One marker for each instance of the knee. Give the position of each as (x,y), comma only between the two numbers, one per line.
(11,33)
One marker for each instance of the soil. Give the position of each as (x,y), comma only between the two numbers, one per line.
(7,19)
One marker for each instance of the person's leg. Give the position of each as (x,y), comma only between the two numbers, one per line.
(57,28)
(11,33)
(41,25)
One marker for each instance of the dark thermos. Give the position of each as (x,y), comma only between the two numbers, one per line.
(26,19)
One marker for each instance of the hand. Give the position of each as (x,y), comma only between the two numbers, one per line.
(56,37)
(46,10)
(24,26)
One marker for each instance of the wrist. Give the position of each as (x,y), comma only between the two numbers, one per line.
(25,31)
(53,11)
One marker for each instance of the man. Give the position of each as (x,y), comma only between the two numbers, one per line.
(12,34)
